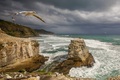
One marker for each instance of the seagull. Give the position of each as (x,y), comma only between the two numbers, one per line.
(29,13)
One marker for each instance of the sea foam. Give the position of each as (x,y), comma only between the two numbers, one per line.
(107,56)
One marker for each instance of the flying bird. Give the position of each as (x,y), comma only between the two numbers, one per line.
(29,13)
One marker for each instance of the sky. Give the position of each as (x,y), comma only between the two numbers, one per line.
(66,16)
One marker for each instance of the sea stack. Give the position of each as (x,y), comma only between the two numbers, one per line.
(78,56)
(78,49)
(19,54)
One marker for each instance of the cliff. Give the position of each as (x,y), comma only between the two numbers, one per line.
(78,56)
(17,53)
(42,31)
(17,30)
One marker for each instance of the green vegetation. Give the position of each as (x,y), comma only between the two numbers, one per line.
(16,29)
(42,31)
(44,72)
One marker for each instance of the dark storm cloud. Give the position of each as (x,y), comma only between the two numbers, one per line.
(85,5)
(67,16)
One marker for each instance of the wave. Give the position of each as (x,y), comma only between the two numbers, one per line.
(106,55)
(84,71)
(107,61)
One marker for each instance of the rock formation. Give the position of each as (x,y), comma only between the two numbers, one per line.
(37,76)
(78,49)
(114,78)
(19,53)
(78,55)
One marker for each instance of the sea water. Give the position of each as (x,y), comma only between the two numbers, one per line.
(104,48)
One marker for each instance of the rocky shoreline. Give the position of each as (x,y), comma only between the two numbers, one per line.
(78,56)
(43,76)
(37,76)
(20,60)
(19,53)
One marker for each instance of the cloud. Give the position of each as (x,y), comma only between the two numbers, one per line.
(67,16)
(85,5)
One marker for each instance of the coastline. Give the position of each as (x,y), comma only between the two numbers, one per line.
(57,45)
(61,74)
(27,61)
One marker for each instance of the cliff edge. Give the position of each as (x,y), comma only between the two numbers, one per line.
(16,29)
(19,53)
(42,31)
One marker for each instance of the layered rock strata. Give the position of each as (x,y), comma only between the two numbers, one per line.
(19,53)
(78,55)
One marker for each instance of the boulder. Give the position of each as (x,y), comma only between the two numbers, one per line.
(19,53)
(78,56)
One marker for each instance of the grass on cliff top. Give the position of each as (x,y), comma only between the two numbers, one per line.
(16,29)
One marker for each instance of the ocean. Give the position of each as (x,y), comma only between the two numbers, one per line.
(104,48)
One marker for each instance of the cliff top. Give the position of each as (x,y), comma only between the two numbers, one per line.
(42,31)
(4,37)
(16,30)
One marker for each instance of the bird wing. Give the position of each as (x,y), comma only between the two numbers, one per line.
(27,13)
(22,12)
(38,17)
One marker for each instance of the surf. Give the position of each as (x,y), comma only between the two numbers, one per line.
(106,55)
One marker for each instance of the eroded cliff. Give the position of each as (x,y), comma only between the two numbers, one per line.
(18,53)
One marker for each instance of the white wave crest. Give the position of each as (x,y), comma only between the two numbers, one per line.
(107,56)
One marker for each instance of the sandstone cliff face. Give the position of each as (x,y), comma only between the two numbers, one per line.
(78,49)
(17,50)
(78,55)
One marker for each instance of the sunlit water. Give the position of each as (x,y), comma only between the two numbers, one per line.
(105,49)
